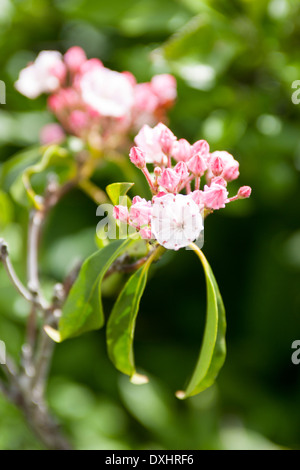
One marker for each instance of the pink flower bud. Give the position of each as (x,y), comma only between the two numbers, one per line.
(201,147)
(169,180)
(182,170)
(230,165)
(146,233)
(182,150)
(140,213)
(52,134)
(216,166)
(197,197)
(121,213)
(137,199)
(197,165)
(219,180)
(166,139)
(244,192)
(215,196)
(74,58)
(137,157)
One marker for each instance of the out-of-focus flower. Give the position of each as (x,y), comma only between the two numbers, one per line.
(45,75)
(110,93)
(97,104)
(52,134)
(74,58)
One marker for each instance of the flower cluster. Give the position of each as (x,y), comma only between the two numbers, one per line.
(91,100)
(174,219)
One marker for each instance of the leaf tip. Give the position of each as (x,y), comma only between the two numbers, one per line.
(139,379)
(180,394)
(53,334)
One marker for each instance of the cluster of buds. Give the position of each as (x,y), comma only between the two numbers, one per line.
(172,218)
(89,99)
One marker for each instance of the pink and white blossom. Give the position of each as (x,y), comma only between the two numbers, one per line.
(176,221)
(44,75)
(108,92)
(148,139)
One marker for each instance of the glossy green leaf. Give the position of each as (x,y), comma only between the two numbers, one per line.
(117,191)
(213,350)
(121,323)
(83,310)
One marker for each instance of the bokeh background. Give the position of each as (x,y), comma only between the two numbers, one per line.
(235,63)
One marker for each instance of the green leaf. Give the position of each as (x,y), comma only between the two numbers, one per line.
(121,323)
(213,350)
(14,166)
(117,191)
(83,310)
(52,155)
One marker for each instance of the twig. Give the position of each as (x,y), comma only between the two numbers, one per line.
(4,258)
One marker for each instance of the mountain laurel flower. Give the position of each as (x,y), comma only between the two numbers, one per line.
(176,221)
(165,88)
(166,139)
(140,213)
(108,92)
(148,139)
(182,170)
(244,192)
(215,196)
(169,180)
(137,157)
(101,106)
(230,165)
(216,166)
(45,75)
(182,150)
(197,165)
(121,213)
(201,147)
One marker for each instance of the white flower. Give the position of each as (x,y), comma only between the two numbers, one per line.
(176,221)
(42,76)
(108,92)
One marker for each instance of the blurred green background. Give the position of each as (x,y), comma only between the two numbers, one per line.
(235,63)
